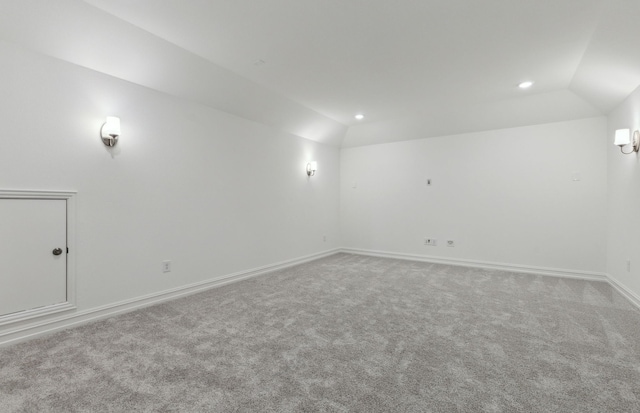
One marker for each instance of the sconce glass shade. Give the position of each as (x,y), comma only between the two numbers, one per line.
(110,131)
(622,138)
(312,167)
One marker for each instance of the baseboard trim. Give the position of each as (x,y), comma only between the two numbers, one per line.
(633,298)
(36,313)
(31,331)
(625,291)
(555,272)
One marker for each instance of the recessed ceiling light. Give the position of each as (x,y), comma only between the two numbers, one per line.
(359,116)
(525,85)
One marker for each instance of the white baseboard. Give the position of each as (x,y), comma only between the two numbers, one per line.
(555,272)
(33,330)
(625,291)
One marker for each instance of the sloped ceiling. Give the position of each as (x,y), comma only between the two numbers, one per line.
(415,68)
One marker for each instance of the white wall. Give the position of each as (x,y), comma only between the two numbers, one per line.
(624,200)
(505,196)
(212,192)
(87,36)
(217,194)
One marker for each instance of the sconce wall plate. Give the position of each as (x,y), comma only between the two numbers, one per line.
(110,131)
(311,168)
(636,141)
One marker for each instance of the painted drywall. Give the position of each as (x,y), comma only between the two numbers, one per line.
(100,41)
(529,196)
(623,224)
(213,193)
(538,108)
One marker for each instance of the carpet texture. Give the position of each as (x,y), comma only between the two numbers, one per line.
(346,333)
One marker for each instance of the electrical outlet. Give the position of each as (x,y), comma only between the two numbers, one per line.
(451,243)
(324,238)
(432,242)
(166,266)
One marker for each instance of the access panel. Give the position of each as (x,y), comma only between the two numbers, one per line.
(33,254)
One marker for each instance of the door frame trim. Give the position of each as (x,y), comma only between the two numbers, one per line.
(70,304)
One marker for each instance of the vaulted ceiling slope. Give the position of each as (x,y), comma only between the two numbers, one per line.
(415,68)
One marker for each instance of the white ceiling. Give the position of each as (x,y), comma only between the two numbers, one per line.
(415,68)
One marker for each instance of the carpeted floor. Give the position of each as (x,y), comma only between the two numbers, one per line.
(347,333)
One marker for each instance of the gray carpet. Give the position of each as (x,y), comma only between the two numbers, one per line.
(346,333)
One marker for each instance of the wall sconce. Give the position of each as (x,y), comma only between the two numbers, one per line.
(312,167)
(110,131)
(622,138)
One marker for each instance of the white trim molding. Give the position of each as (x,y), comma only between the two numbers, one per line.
(626,292)
(555,272)
(31,331)
(633,298)
(70,303)
(48,326)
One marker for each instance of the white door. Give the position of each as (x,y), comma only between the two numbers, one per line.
(33,254)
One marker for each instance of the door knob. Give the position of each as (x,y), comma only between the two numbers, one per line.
(57,251)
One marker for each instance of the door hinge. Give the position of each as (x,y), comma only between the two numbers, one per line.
(67,250)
